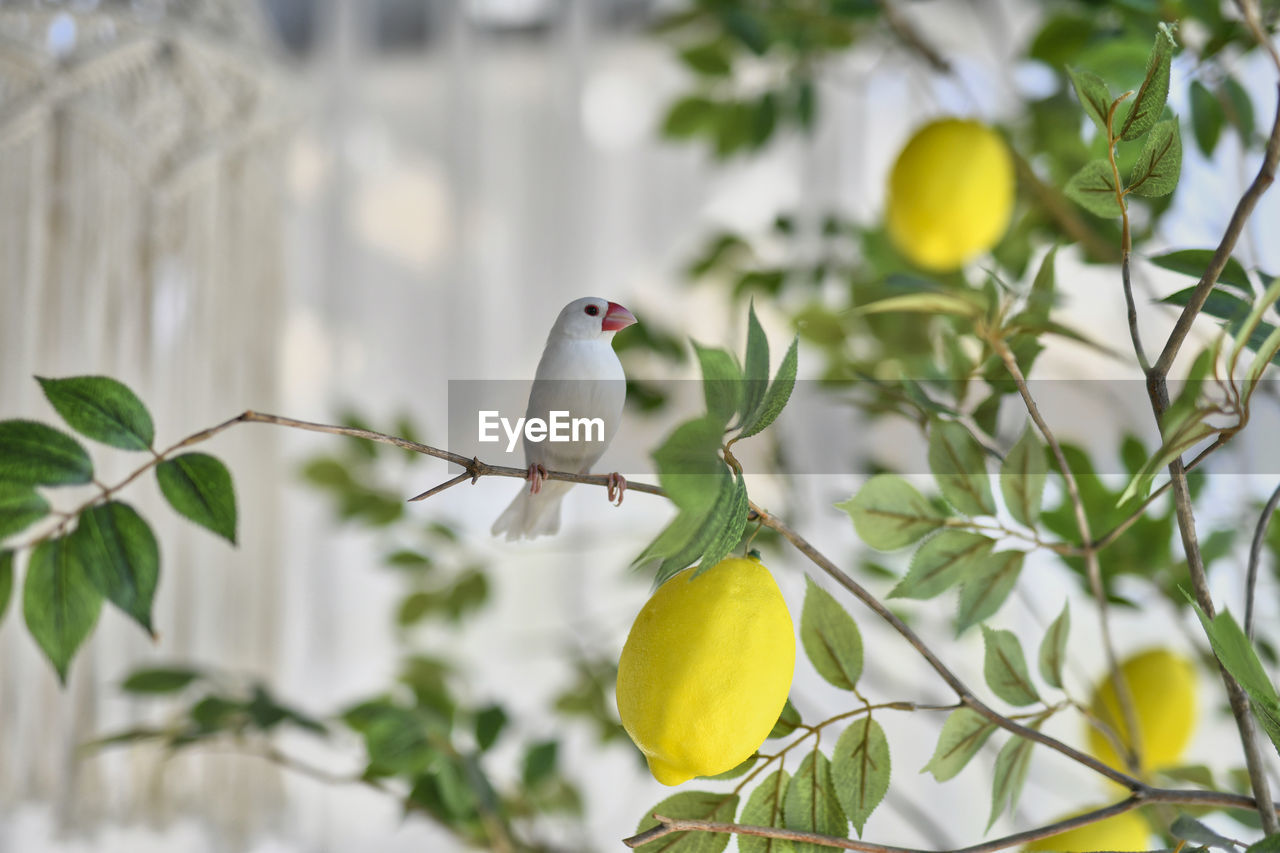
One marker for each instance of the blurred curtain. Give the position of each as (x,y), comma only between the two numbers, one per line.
(140,237)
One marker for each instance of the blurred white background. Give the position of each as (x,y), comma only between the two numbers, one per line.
(320,204)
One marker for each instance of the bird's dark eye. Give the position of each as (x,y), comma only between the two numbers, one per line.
(591,310)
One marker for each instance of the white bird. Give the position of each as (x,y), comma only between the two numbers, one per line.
(580,374)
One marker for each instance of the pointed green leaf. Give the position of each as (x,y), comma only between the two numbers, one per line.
(736,772)
(689,116)
(1270,844)
(36,454)
(1241,111)
(788,721)
(729,524)
(764,808)
(1005,668)
(1022,478)
(689,466)
(1040,299)
(102,409)
(721,382)
(1207,118)
(120,557)
(756,366)
(1154,91)
(691,805)
(811,804)
(1188,828)
(860,769)
(1194,262)
(6,581)
(1053,648)
(959,465)
(1094,189)
(1010,774)
(888,513)
(775,399)
(941,562)
(198,486)
(830,637)
(987,587)
(59,602)
(20,507)
(1094,96)
(1158,166)
(160,680)
(963,734)
(929,302)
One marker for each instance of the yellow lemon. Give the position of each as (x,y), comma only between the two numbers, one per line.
(1163,686)
(950,193)
(1124,832)
(706,670)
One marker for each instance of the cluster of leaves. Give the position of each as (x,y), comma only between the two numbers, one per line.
(103,549)
(715,38)
(695,463)
(424,740)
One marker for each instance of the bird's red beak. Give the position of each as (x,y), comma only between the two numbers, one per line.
(617,318)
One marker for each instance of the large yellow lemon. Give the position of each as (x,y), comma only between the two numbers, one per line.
(1124,832)
(1163,686)
(950,193)
(706,670)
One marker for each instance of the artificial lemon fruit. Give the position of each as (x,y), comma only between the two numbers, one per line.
(706,670)
(1124,832)
(1163,687)
(950,193)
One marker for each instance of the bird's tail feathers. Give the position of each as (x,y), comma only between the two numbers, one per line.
(529,515)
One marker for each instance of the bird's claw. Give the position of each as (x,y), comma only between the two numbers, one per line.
(536,475)
(617,486)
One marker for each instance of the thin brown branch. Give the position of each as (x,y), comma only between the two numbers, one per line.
(1093,567)
(1255,556)
(911,37)
(1244,209)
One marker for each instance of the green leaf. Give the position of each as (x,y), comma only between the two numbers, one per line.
(888,513)
(102,409)
(160,680)
(689,116)
(963,734)
(59,602)
(1189,829)
(1009,775)
(35,454)
(728,525)
(691,805)
(775,399)
(711,59)
(20,507)
(1154,91)
(860,769)
(1207,118)
(756,365)
(539,762)
(715,532)
(941,562)
(1194,262)
(689,465)
(1241,112)
(987,587)
(1237,655)
(121,558)
(1040,299)
(1053,648)
(1270,844)
(199,487)
(721,382)
(831,638)
(1158,166)
(1093,187)
(490,722)
(928,302)
(6,581)
(764,808)
(811,803)
(1022,478)
(788,721)
(1006,669)
(735,772)
(959,465)
(1094,96)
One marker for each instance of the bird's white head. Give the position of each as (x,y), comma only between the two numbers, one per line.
(591,318)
